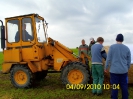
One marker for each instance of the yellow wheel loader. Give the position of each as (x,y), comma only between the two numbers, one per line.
(29,54)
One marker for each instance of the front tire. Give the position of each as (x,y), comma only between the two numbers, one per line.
(21,76)
(75,73)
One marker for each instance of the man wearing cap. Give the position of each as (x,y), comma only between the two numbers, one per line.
(119,60)
(92,42)
(83,48)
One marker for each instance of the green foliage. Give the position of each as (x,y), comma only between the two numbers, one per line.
(75,51)
(1,59)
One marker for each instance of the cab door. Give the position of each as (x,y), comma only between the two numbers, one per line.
(29,51)
(12,53)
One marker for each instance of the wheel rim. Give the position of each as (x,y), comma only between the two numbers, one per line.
(20,77)
(75,76)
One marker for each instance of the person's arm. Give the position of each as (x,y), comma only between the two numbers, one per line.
(29,36)
(108,60)
(87,50)
(129,59)
(89,47)
(103,53)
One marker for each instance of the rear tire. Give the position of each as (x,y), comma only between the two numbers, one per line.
(75,73)
(21,76)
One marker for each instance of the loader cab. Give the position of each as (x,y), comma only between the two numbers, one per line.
(25,30)
(23,38)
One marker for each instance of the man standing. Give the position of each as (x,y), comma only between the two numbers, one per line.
(119,59)
(92,42)
(98,52)
(83,48)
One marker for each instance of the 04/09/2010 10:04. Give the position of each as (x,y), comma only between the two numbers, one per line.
(92,86)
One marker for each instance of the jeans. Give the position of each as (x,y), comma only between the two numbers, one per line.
(120,80)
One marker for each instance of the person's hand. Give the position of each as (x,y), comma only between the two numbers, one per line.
(105,71)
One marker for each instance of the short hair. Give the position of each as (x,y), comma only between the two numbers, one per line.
(83,40)
(100,39)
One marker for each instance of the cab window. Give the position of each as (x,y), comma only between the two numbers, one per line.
(40,30)
(27,33)
(13,30)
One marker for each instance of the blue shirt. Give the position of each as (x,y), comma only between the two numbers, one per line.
(98,52)
(118,58)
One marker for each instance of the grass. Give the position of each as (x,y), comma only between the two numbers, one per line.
(50,88)
(75,51)
(1,59)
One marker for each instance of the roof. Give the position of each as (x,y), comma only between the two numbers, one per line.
(23,15)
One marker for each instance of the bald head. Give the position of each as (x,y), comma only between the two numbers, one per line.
(83,42)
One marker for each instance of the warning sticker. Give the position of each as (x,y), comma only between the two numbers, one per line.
(59,60)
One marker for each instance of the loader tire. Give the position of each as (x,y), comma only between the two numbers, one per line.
(21,76)
(41,75)
(75,73)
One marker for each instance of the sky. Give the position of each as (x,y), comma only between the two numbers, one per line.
(70,21)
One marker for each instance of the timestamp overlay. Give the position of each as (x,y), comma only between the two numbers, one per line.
(113,86)
(91,86)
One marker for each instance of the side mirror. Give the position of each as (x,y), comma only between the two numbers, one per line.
(2,33)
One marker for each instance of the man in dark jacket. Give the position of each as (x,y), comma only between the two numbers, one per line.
(92,42)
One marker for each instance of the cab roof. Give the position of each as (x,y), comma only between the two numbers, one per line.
(24,16)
